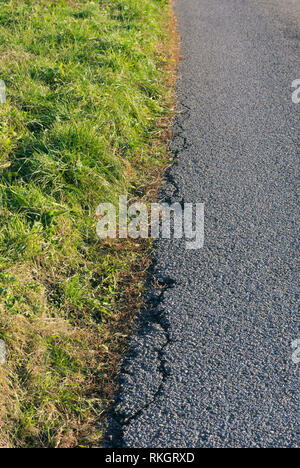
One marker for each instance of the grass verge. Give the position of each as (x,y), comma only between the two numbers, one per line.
(89,88)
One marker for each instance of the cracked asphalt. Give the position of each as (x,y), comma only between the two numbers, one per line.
(210,364)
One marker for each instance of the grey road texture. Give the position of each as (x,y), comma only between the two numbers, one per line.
(210,364)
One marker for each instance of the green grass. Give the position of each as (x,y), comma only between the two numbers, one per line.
(86,86)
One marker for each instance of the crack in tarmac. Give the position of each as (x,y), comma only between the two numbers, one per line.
(150,315)
(154,297)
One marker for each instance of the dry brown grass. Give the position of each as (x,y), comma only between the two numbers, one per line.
(132,282)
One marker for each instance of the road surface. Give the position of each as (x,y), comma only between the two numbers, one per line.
(211,364)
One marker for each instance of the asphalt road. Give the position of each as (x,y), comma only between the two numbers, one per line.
(211,364)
